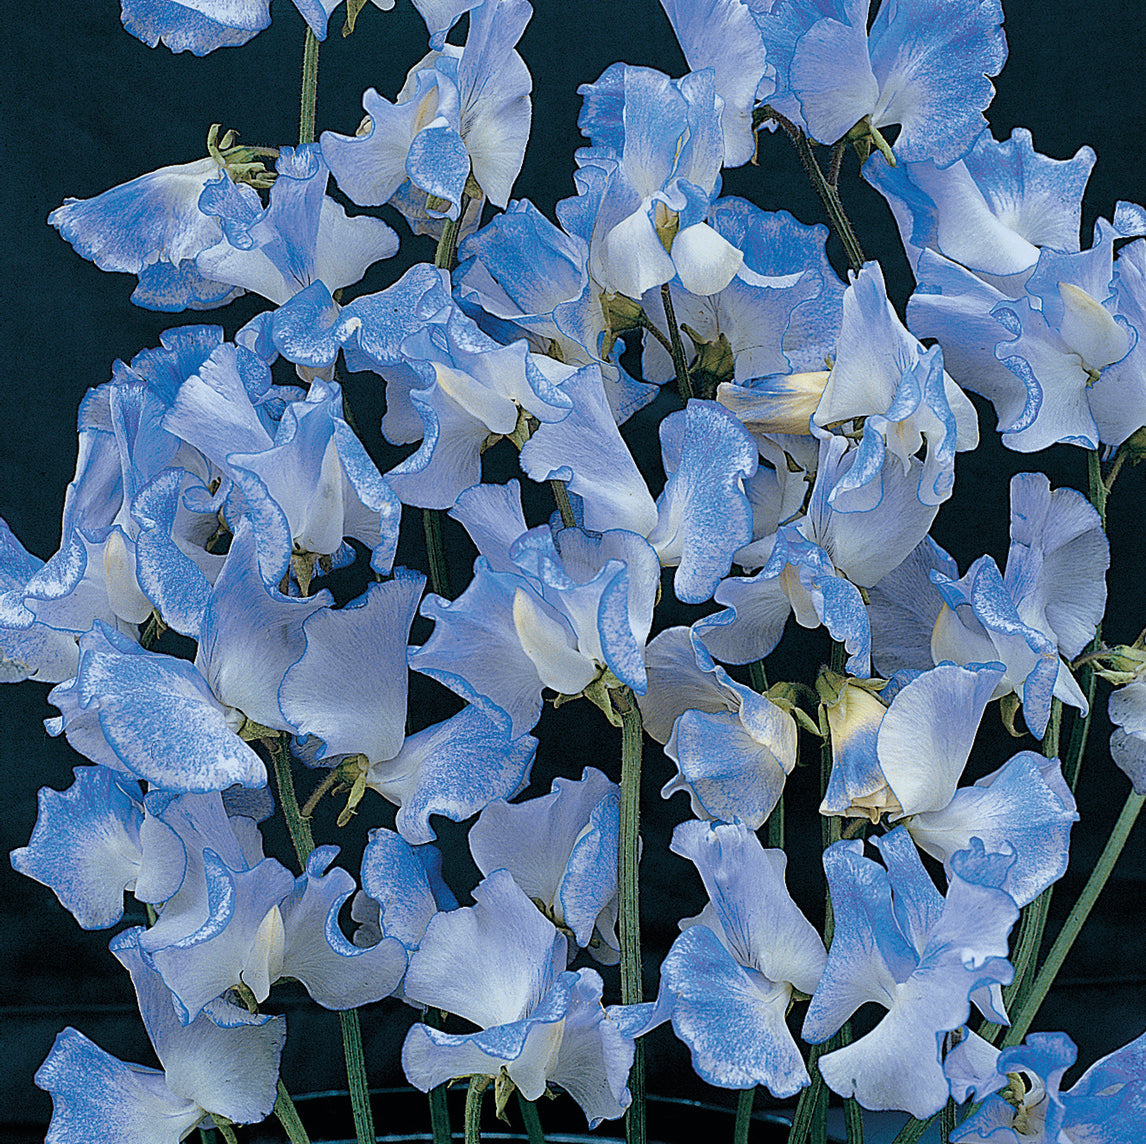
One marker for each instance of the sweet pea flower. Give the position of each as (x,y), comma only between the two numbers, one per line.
(923,957)
(733,748)
(205,25)
(347,692)
(561,849)
(729,978)
(501,965)
(1107,1105)
(992,210)
(923,66)
(226,1062)
(653,170)
(543,610)
(462,112)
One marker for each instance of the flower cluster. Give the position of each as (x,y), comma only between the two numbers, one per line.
(201,646)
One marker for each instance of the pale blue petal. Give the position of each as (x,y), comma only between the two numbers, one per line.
(85,846)
(491,962)
(731,1019)
(349,685)
(453,768)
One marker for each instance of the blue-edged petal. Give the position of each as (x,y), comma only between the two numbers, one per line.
(227,1060)
(336,973)
(406,883)
(932,62)
(198,28)
(731,1018)
(491,962)
(85,846)
(560,848)
(453,768)
(703,514)
(97,1096)
(349,685)
(1024,807)
(586,450)
(926,735)
(153,716)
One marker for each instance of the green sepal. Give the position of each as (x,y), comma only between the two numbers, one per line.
(503,1087)
(714,363)
(353,7)
(1008,708)
(523,430)
(598,693)
(252,730)
(783,695)
(353,773)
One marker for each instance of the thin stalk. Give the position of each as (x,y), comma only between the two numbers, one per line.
(288,1117)
(309,97)
(853,1120)
(226,1131)
(810,1097)
(439,1107)
(828,195)
(298,826)
(303,840)
(776,825)
(439,1115)
(744,1103)
(564,505)
(436,551)
(206,1136)
(1099,490)
(655,330)
(478,1085)
(632,987)
(947,1121)
(531,1119)
(1076,919)
(448,242)
(1027,943)
(679,361)
(320,790)
(356,1076)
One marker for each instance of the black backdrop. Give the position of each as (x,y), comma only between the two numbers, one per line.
(87,106)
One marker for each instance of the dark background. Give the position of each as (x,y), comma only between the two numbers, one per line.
(87,106)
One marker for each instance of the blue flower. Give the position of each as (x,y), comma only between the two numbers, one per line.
(922,957)
(645,185)
(501,965)
(1107,1105)
(462,112)
(924,66)
(226,1061)
(729,978)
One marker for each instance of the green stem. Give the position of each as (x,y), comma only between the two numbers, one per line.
(303,840)
(439,1115)
(1076,919)
(828,195)
(1098,488)
(298,826)
(564,505)
(810,1097)
(531,1119)
(679,361)
(947,1121)
(632,987)
(288,1117)
(356,1076)
(448,242)
(435,551)
(439,1107)
(744,1105)
(225,1130)
(309,96)
(478,1085)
